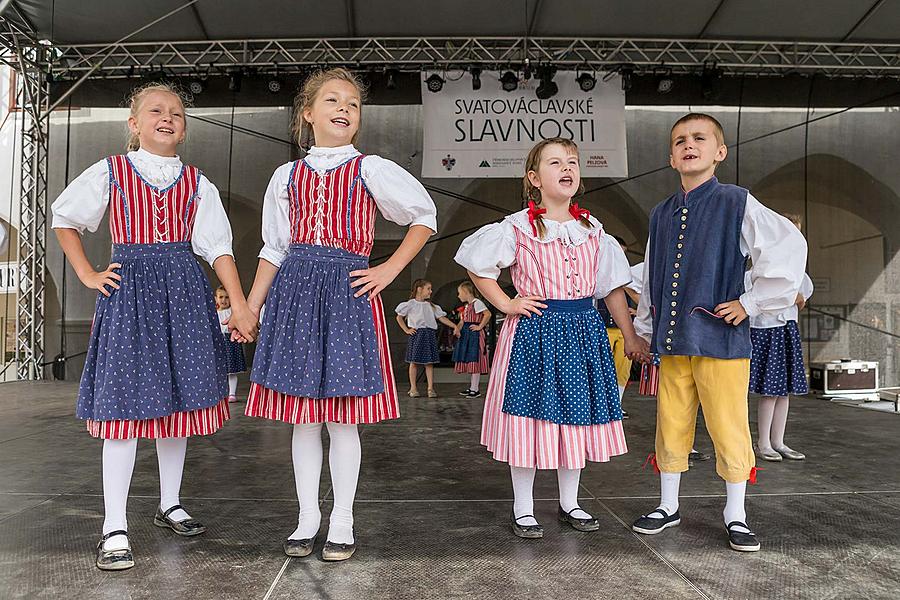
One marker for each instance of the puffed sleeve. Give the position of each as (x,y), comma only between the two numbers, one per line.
(438,311)
(612,267)
(276,225)
(806,288)
(488,250)
(643,321)
(479,306)
(399,196)
(83,203)
(403,308)
(778,251)
(212,230)
(637,278)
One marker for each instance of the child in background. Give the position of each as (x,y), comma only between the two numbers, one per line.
(418,318)
(234,351)
(470,353)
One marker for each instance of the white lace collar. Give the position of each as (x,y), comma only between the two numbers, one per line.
(570,232)
(148,158)
(321,158)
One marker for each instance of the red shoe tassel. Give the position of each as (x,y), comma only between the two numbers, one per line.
(651,460)
(753,473)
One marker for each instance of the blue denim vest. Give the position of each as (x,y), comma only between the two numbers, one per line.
(695,264)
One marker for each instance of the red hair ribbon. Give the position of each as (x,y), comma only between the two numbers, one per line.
(533,213)
(651,460)
(753,472)
(578,212)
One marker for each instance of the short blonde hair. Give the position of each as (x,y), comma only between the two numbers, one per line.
(717,127)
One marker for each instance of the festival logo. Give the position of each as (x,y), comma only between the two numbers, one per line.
(449,162)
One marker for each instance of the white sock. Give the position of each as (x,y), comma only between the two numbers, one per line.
(306,451)
(568,491)
(170,455)
(765,411)
(118,465)
(668,491)
(734,505)
(475,382)
(343,460)
(523,493)
(232,384)
(779,422)
(621,392)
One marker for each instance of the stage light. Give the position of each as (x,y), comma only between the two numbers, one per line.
(195,87)
(434,83)
(665,85)
(234,81)
(586,82)
(509,81)
(626,74)
(275,84)
(475,72)
(391,79)
(547,88)
(711,82)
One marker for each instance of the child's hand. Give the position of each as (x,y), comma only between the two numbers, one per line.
(732,312)
(244,322)
(637,348)
(373,280)
(99,281)
(410,331)
(457,332)
(476,327)
(800,301)
(524,306)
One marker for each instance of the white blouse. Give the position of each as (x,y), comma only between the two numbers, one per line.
(224,313)
(493,248)
(478,306)
(398,195)
(791,313)
(84,201)
(778,252)
(637,278)
(420,314)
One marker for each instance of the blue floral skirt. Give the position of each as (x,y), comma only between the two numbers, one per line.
(776,365)
(422,348)
(234,356)
(468,347)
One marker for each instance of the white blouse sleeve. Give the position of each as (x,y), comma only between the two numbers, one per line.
(276,225)
(403,308)
(613,270)
(399,196)
(438,311)
(778,251)
(806,288)
(479,306)
(488,250)
(643,321)
(83,203)
(637,278)
(212,230)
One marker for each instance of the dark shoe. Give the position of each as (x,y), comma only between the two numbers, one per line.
(698,456)
(591,524)
(625,415)
(185,527)
(653,525)
(114,560)
(473,394)
(333,552)
(529,532)
(299,548)
(740,541)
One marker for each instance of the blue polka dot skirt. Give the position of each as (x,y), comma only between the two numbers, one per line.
(422,348)
(234,356)
(156,346)
(561,367)
(316,340)
(776,365)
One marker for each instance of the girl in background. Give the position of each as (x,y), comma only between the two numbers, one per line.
(418,318)
(470,353)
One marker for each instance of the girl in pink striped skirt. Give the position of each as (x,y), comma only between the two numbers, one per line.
(323,357)
(552,399)
(155,365)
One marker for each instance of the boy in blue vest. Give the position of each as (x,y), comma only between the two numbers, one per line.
(694,314)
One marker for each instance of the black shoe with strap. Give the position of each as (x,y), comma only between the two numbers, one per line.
(529,532)
(114,560)
(651,525)
(589,524)
(186,527)
(740,540)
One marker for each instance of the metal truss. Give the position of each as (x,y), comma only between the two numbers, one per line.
(30,59)
(642,55)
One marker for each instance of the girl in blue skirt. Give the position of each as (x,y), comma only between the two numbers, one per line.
(234,351)
(418,317)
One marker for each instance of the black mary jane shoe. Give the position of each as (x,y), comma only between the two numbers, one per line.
(529,532)
(653,525)
(114,560)
(334,552)
(739,540)
(299,548)
(590,524)
(186,527)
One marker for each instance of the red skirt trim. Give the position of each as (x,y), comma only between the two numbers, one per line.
(204,421)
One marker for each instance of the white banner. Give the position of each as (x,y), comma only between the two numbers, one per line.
(9,277)
(488,132)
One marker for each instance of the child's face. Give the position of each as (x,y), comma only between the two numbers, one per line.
(159,123)
(335,113)
(695,149)
(424,292)
(558,174)
(464,294)
(222,300)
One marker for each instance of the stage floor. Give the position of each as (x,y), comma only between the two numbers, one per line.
(432,514)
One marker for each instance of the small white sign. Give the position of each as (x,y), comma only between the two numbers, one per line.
(9,277)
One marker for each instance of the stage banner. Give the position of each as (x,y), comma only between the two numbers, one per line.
(488,132)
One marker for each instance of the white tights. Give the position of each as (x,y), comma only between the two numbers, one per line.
(523,492)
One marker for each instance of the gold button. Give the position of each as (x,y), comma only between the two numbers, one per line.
(674,293)
(683,226)
(674,313)
(683,218)
(674,284)
(675,275)
(680,237)
(674,304)
(672,323)
(684,210)
(679,254)
(668,340)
